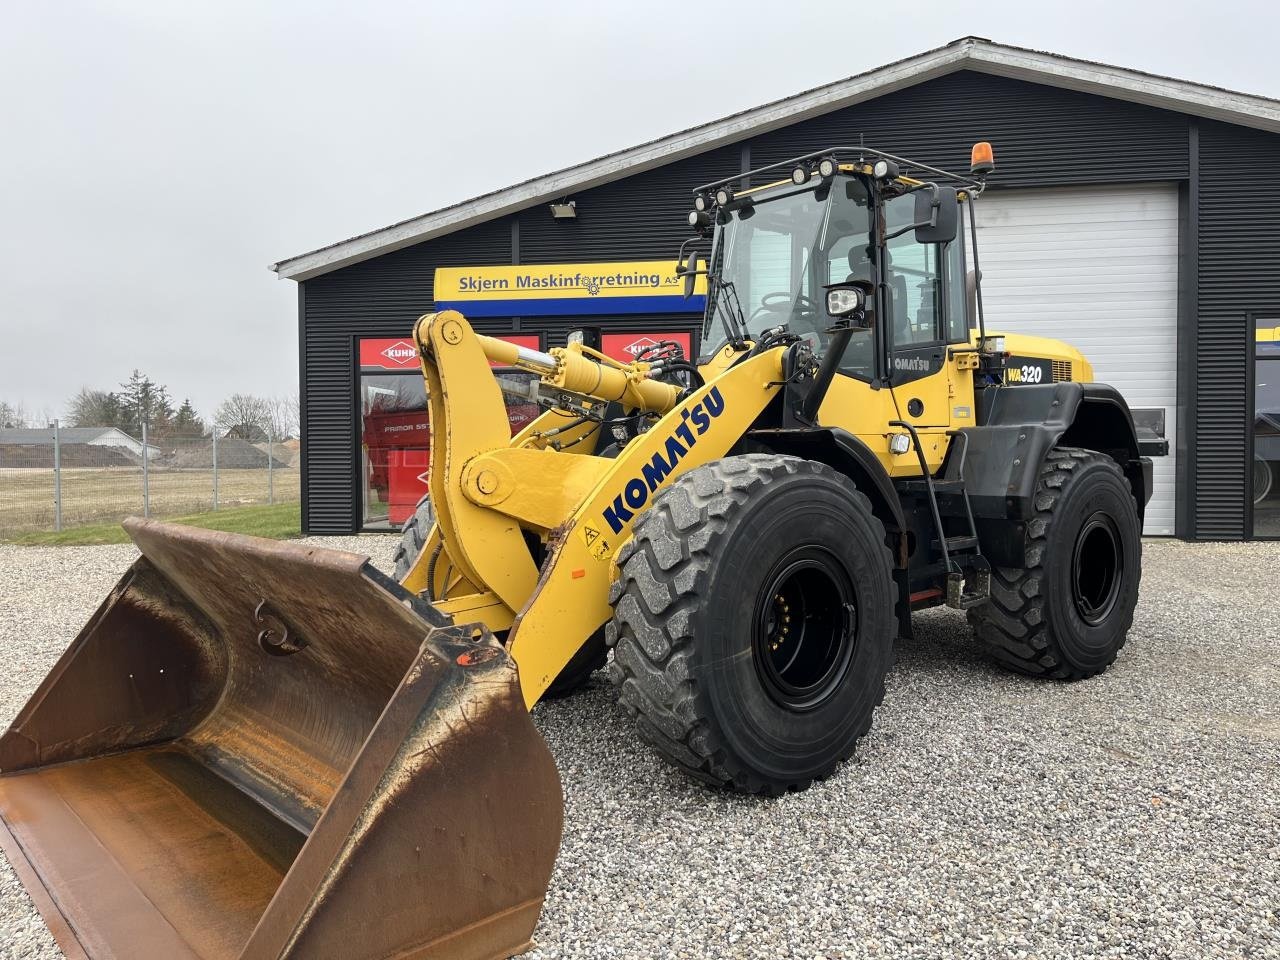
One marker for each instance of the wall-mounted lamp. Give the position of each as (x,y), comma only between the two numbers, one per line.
(565,210)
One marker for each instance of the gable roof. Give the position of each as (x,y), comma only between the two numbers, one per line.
(968,53)
(44,435)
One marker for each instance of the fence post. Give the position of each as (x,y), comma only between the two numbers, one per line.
(57,477)
(271,489)
(146,488)
(215,468)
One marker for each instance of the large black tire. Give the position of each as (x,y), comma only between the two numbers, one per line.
(704,660)
(589,658)
(413,537)
(1065,614)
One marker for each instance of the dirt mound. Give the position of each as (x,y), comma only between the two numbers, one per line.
(232,455)
(39,456)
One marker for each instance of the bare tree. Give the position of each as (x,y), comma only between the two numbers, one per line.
(244,416)
(95,408)
(284,417)
(16,415)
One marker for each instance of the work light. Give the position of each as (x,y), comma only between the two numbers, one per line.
(827,168)
(884,169)
(800,174)
(702,202)
(724,196)
(842,301)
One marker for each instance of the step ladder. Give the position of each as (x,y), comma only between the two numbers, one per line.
(968,574)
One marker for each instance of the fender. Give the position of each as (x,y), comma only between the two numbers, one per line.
(1020,426)
(844,452)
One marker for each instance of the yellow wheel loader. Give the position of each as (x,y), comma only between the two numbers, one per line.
(264,750)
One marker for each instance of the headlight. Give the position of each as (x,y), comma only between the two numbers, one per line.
(842,301)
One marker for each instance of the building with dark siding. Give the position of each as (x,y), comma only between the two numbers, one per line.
(1135,216)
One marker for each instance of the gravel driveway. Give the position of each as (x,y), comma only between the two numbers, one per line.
(1133,815)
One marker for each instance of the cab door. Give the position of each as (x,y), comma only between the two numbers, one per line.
(924,323)
(927,328)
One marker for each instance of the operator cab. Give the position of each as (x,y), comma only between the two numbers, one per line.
(780,253)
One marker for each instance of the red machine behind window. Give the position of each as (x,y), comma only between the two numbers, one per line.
(395,430)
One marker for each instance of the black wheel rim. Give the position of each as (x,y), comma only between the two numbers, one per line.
(1097,568)
(805,628)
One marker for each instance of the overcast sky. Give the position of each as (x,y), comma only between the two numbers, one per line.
(156,157)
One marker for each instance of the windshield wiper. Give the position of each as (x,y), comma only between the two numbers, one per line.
(736,320)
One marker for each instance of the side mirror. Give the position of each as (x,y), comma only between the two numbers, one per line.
(937,214)
(689,270)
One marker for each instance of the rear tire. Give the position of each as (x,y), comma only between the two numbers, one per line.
(589,658)
(413,537)
(1066,613)
(754,622)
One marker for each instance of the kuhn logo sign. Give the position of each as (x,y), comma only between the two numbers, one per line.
(627,346)
(392,353)
(400,353)
(639,346)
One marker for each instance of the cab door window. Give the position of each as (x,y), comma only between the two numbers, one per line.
(913,276)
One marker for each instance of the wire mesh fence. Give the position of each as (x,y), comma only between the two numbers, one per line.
(55,479)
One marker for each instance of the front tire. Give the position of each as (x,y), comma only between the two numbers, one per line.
(754,622)
(1067,612)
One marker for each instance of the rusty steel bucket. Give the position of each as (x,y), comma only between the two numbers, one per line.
(261,750)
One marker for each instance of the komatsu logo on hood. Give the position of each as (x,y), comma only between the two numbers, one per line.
(400,352)
(694,422)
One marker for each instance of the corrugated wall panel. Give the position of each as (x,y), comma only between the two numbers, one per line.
(377,298)
(1042,135)
(640,218)
(1238,274)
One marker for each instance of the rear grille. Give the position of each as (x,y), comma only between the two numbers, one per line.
(1061,371)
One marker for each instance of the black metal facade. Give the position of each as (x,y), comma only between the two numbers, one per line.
(1044,136)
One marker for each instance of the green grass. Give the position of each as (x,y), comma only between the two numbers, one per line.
(279,522)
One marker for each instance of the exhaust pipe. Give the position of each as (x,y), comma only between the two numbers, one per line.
(260,750)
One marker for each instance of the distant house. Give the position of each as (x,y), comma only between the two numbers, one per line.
(91,436)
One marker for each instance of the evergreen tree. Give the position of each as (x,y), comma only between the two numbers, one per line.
(142,400)
(186,422)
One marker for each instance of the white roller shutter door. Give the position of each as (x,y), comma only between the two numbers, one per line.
(1098,268)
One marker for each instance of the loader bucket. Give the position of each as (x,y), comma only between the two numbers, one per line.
(263,750)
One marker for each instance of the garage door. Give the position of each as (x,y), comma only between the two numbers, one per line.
(1098,268)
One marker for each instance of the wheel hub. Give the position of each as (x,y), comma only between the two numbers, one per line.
(1097,569)
(805,629)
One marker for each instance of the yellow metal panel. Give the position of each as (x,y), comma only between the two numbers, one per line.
(487,547)
(572,600)
(541,487)
(483,607)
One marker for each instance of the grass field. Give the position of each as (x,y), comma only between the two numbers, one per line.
(106,495)
(279,521)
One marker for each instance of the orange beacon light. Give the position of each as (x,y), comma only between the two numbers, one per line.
(982,160)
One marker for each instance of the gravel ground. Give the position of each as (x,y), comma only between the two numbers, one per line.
(1133,815)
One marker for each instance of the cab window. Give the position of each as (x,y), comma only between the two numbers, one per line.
(913,273)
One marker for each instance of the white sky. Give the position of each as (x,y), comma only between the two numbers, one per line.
(155,157)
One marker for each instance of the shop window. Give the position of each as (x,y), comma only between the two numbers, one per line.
(395,428)
(1265,469)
